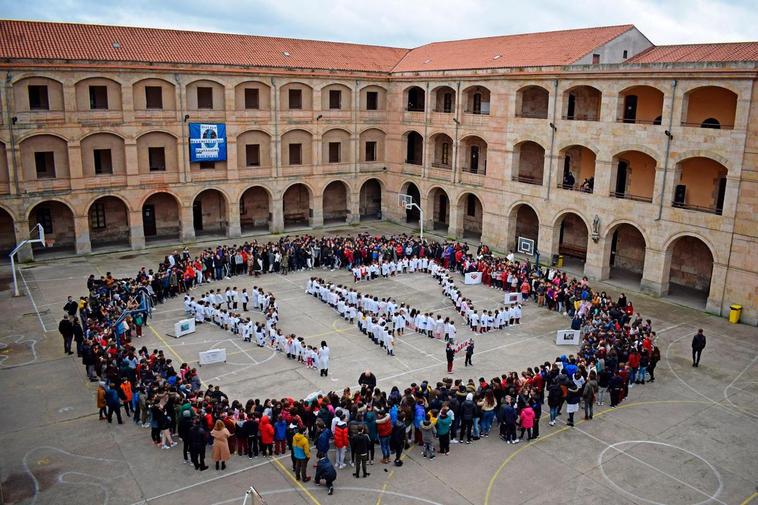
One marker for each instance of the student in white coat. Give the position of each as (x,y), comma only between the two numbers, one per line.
(323,359)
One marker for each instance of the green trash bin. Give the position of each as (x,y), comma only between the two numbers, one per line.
(559,262)
(735,311)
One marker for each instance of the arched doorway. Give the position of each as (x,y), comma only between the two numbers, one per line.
(690,269)
(7,231)
(414,148)
(296,204)
(371,200)
(255,209)
(161,219)
(57,220)
(335,202)
(209,213)
(472,214)
(572,239)
(108,223)
(412,215)
(528,162)
(627,253)
(526,224)
(439,204)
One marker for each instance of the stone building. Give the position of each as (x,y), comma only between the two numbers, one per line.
(632,161)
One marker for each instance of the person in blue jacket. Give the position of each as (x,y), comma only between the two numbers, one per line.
(322,441)
(325,470)
(113,402)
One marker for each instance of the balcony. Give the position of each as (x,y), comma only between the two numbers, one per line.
(709,126)
(36,118)
(256,172)
(629,196)
(261,115)
(296,116)
(336,116)
(414,116)
(476,119)
(104,181)
(97,117)
(582,117)
(373,116)
(688,206)
(40,185)
(440,171)
(296,170)
(530,115)
(157,177)
(476,179)
(527,180)
(583,188)
(336,168)
(412,169)
(371,167)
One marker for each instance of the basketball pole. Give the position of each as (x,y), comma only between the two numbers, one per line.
(41,240)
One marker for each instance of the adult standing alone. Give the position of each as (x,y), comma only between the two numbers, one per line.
(66,329)
(323,359)
(698,344)
(220,452)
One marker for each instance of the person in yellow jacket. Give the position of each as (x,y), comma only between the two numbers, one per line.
(302,452)
(101,400)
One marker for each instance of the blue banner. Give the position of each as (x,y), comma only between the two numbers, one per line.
(207,142)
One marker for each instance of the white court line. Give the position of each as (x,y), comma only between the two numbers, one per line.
(419,350)
(726,389)
(34,304)
(243,351)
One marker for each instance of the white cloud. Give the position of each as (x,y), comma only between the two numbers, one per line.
(408,24)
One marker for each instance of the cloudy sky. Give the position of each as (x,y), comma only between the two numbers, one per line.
(409,23)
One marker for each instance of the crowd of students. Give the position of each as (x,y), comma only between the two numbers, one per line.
(618,352)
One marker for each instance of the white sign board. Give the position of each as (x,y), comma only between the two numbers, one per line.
(184,327)
(473,278)
(567,337)
(211,356)
(512,298)
(525,246)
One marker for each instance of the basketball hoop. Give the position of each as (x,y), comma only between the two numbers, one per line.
(40,240)
(406,202)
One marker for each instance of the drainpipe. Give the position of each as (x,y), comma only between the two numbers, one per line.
(183,119)
(276,128)
(356,111)
(8,90)
(553,128)
(457,121)
(669,138)
(427,103)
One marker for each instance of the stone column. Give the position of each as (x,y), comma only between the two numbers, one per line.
(132,164)
(277,216)
(655,272)
(188,225)
(81,230)
(233,228)
(75,171)
(136,230)
(317,211)
(354,208)
(455,226)
(547,243)
(596,266)
(718,277)
(602,177)
(21,227)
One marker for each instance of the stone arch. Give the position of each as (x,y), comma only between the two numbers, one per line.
(625,247)
(289,100)
(473,154)
(336,101)
(7,230)
(167,95)
(49,101)
(161,216)
(640,103)
(57,218)
(378,101)
(571,234)
(717,103)
(335,146)
(524,220)
(577,165)
(297,204)
(209,212)
(103,153)
(532,101)
(528,164)
(259,99)
(689,265)
(633,174)
(290,139)
(700,184)
(53,164)
(336,202)
(86,101)
(157,152)
(371,153)
(476,99)
(410,188)
(443,99)
(370,199)
(254,149)
(197,102)
(582,102)
(441,147)
(414,98)
(256,208)
(438,208)
(108,217)
(414,147)
(470,215)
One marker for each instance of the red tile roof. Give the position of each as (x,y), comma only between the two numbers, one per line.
(531,49)
(696,53)
(70,41)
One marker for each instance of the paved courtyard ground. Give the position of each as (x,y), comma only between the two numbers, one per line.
(689,438)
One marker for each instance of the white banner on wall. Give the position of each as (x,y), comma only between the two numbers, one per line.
(567,337)
(473,278)
(211,356)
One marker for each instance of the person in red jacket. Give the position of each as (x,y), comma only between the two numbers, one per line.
(341,441)
(266,430)
(634,365)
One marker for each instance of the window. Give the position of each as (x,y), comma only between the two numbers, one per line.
(97,216)
(334,152)
(447,102)
(153,97)
(38,98)
(251,98)
(295,99)
(156,157)
(44,162)
(371,150)
(625,54)
(45,218)
(477,103)
(595,59)
(253,155)
(98,97)
(103,163)
(372,100)
(296,154)
(207,165)
(243,210)
(204,97)
(471,205)
(335,99)
(445,154)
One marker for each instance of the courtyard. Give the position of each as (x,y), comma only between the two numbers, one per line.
(688,438)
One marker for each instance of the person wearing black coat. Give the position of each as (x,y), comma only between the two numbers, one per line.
(698,344)
(325,470)
(468,409)
(397,439)
(185,425)
(78,337)
(198,438)
(66,329)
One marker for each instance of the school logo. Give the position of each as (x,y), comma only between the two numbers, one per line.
(207,142)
